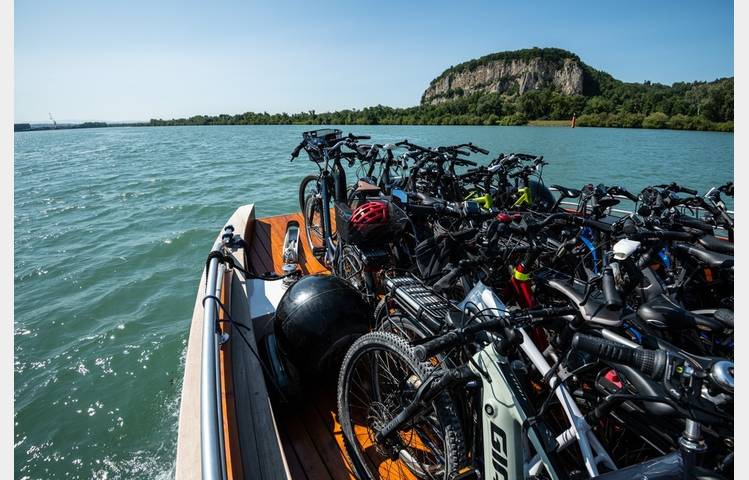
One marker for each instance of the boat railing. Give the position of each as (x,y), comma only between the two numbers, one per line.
(212,451)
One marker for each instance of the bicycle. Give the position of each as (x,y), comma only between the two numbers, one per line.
(323,146)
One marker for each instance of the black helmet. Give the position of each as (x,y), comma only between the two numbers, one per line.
(316,321)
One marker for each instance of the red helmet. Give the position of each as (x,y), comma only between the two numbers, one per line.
(370,217)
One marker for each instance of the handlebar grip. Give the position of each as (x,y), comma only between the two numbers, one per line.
(481,150)
(689,191)
(694,223)
(470,162)
(649,362)
(612,298)
(443,342)
(602,226)
(665,235)
(580,221)
(362,137)
(296,151)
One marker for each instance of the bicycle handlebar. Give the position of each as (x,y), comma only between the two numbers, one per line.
(295,152)
(508,324)
(676,188)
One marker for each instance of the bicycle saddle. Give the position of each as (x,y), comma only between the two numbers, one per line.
(363,186)
(605,203)
(660,312)
(364,148)
(567,192)
(594,310)
(710,258)
(716,245)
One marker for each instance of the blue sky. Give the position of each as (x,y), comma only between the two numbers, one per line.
(136,60)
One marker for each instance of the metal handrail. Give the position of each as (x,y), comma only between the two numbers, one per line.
(212,454)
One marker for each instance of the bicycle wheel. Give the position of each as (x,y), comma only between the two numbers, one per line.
(314,227)
(305,190)
(379,376)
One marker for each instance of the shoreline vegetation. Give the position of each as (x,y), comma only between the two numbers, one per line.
(599,121)
(381,115)
(600,101)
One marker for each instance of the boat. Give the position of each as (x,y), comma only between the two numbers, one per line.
(230,425)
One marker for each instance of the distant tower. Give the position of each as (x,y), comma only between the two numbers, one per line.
(54,123)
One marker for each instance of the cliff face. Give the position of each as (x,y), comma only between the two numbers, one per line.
(507,76)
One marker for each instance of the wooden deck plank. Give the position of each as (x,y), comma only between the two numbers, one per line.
(270,233)
(389,469)
(277,233)
(327,447)
(243,369)
(296,469)
(302,443)
(260,248)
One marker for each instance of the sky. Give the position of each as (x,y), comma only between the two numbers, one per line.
(85,60)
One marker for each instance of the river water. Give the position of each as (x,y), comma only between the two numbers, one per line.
(112,227)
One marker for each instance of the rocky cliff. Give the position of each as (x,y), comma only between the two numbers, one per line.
(510,73)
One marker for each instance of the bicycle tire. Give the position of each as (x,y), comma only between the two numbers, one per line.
(311,205)
(443,408)
(303,187)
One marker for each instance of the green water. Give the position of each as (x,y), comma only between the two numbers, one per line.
(112,227)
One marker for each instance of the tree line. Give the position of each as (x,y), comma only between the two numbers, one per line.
(683,106)
(605,102)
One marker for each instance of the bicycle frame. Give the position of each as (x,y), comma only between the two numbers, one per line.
(525,198)
(502,430)
(339,182)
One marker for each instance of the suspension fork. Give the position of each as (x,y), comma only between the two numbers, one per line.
(427,392)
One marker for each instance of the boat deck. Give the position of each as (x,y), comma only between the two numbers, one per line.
(310,434)
(262,438)
(266,246)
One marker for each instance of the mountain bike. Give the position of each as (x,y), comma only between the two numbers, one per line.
(518,439)
(328,187)
(513,442)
